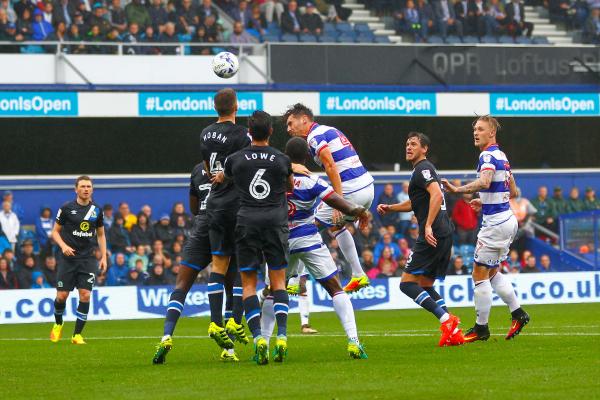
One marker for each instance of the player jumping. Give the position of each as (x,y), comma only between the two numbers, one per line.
(306,244)
(333,151)
(196,257)
(262,175)
(496,185)
(218,141)
(431,253)
(78,223)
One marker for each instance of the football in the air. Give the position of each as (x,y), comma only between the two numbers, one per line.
(225,65)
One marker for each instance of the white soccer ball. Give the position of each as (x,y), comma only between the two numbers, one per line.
(225,64)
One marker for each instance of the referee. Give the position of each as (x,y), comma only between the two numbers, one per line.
(78,224)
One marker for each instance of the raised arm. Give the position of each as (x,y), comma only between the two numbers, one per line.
(405,206)
(483,182)
(339,203)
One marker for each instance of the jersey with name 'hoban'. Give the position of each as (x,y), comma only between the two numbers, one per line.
(200,186)
(79,224)
(260,174)
(423,175)
(217,142)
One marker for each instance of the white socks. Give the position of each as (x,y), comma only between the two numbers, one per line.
(346,243)
(303,306)
(505,290)
(483,301)
(345,312)
(267,319)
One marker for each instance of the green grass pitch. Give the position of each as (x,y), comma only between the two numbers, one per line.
(556,357)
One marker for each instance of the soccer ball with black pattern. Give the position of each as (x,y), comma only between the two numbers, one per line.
(225,65)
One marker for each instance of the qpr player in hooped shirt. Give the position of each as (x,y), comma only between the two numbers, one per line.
(332,150)
(496,185)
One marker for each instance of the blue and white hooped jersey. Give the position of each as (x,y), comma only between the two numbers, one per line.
(353,174)
(495,200)
(302,202)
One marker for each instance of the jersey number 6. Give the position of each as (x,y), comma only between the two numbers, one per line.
(259,188)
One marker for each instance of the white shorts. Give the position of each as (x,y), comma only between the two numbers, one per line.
(493,242)
(363,197)
(318,262)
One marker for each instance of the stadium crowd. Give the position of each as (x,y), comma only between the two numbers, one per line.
(156,22)
(146,250)
(152,22)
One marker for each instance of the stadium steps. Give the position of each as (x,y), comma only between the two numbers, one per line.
(543,27)
(360,14)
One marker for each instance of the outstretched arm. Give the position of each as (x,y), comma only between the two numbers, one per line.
(483,182)
(339,203)
(405,206)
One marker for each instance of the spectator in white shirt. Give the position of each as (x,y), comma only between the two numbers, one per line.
(10,223)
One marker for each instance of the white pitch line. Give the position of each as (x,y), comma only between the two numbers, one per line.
(386,334)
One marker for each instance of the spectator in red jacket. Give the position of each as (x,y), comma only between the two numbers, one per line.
(465,219)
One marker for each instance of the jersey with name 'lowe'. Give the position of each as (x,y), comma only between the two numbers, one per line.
(260,174)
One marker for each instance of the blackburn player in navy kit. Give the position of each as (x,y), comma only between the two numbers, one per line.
(79,225)
(431,254)
(263,176)
(217,142)
(196,257)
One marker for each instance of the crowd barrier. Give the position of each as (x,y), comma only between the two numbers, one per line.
(358,103)
(131,302)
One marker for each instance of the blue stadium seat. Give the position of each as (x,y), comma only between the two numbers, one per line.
(435,39)
(345,38)
(382,39)
(364,39)
(253,32)
(4,244)
(308,38)
(540,40)
(326,38)
(506,40)
(270,38)
(289,38)
(489,39)
(453,39)
(362,27)
(273,26)
(328,27)
(470,39)
(466,250)
(343,27)
(523,40)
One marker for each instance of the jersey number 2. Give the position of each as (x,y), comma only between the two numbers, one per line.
(259,188)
